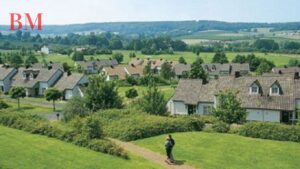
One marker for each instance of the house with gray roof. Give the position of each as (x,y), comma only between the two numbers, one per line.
(71,85)
(93,67)
(215,70)
(266,98)
(6,75)
(286,70)
(36,81)
(182,70)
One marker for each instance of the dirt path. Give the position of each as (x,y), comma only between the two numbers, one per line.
(149,155)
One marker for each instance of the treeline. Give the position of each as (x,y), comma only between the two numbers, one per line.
(170,28)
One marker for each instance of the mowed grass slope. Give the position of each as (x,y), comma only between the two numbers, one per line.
(218,151)
(22,150)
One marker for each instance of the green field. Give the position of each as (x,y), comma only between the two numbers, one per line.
(278,59)
(217,151)
(28,108)
(168,91)
(21,150)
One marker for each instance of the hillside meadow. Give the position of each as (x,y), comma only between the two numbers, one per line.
(217,151)
(19,149)
(278,58)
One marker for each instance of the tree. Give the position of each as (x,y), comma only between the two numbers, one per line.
(197,71)
(264,67)
(102,94)
(239,59)
(229,108)
(131,93)
(66,67)
(147,69)
(220,57)
(132,55)
(153,101)
(76,106)
(253,61)
(293,62)
(166,71)
(116,43)
(131,80)
(1,60)
(16,60)
(266,44)
(31,59)
(78,56)
(17,93)
(53,94)
(118,56)
(181,60)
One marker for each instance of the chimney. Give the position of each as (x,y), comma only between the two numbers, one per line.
(49,67)
(98,59)
(132,65)
(280,72)
(137,58)
(69,73)
(285,66)
(237,74)
(112,66)
(27,66)
(296,76)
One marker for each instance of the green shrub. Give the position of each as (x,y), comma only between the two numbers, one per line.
(128,126)
(3,105)
(107,146)
(131,93)
(273,131)
(220,127)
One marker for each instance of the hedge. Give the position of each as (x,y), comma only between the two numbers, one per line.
(273,131)
(127,125)
(79,136)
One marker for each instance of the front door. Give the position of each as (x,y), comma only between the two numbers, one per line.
(285,117)
(191,109)
(1,88)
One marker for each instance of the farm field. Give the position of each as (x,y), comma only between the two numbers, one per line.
(19,149)
(215,151)
(278,59)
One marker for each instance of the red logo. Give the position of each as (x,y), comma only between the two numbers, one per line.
(24,22)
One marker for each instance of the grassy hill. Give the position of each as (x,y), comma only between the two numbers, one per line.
(277,58)
(21,150)
(216,151)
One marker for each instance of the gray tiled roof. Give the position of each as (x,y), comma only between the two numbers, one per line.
(43,75)
(285,70)
(231,68)
(4,72)
(192,91)
(98,63)
(69,81)
(180,68)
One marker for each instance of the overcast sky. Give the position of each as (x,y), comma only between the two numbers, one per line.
(84,11)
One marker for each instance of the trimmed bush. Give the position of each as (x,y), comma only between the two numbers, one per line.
(273,131)
(128,126)
(221,127)
(3,105)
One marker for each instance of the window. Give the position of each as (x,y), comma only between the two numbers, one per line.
(275,90)
(254,89)
(206,110)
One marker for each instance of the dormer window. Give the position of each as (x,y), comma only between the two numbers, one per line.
(275,89)
(255,88)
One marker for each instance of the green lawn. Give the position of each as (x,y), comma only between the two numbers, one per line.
(168,91)
(21,150)
(217,151)
(28,108)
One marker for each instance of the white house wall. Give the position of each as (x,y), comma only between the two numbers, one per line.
(200,107)
(179,108)
(263,115)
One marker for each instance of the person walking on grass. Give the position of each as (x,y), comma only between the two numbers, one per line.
(173,144)
(168,146)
